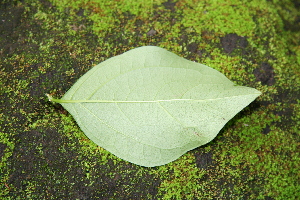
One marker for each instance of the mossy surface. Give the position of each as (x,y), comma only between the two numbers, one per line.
(45,46)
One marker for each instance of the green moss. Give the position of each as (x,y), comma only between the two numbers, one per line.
(51,44)
(7,147)
(221,17)
(180,179)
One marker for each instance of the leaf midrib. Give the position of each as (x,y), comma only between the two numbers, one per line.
(150,101)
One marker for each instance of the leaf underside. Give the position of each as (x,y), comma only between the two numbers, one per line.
(149,106)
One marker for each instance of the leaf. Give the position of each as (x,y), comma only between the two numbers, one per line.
(149,106)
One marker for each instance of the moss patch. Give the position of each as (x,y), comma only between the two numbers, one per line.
(45,46)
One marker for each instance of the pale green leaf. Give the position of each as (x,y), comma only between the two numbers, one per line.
(149,106)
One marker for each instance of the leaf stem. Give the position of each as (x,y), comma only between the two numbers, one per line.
(52,99)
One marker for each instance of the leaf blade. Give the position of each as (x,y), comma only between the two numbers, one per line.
(149,106)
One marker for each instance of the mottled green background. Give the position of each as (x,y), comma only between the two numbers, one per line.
(46,45)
